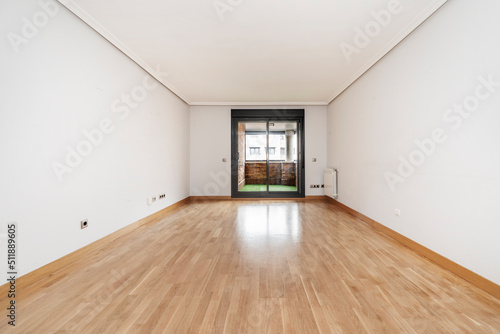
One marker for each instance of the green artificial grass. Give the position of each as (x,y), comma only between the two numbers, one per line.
(272,187)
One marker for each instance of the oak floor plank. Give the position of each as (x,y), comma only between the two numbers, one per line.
(254,267)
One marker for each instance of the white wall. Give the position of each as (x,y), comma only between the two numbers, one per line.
(211,142)
(315,130)
(450,202)
(61,81)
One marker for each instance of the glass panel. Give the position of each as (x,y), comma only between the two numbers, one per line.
(252,156)
(283,149)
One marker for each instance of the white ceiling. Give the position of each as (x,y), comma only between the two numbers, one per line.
(252,52)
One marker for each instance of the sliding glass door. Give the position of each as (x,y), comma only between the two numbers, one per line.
(252,156)
(267,157)
(283,161)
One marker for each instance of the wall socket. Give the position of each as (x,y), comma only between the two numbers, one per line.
(84,224)
(151,200)
(154,199)
(314,186)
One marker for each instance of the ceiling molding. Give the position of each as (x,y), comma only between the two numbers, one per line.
(156,72)
(259,104)
(401,36)
(113,40)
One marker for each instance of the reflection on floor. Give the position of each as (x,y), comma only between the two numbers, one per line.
(272,187)
(256,223)
(254,266)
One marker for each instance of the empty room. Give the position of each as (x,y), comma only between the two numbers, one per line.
(237,166)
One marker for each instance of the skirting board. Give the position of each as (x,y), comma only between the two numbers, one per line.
(210,198)
(462,272)
(49,269)
(226,198)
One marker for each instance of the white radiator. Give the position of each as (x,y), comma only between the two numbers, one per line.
(330,179)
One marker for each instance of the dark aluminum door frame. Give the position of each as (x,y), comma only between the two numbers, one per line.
(268,115)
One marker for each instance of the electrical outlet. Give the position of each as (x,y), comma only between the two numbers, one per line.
(151,200)
(322,186)
(161,196)
(84,224)
(397,212)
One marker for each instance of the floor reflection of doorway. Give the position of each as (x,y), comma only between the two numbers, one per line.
(267,153)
